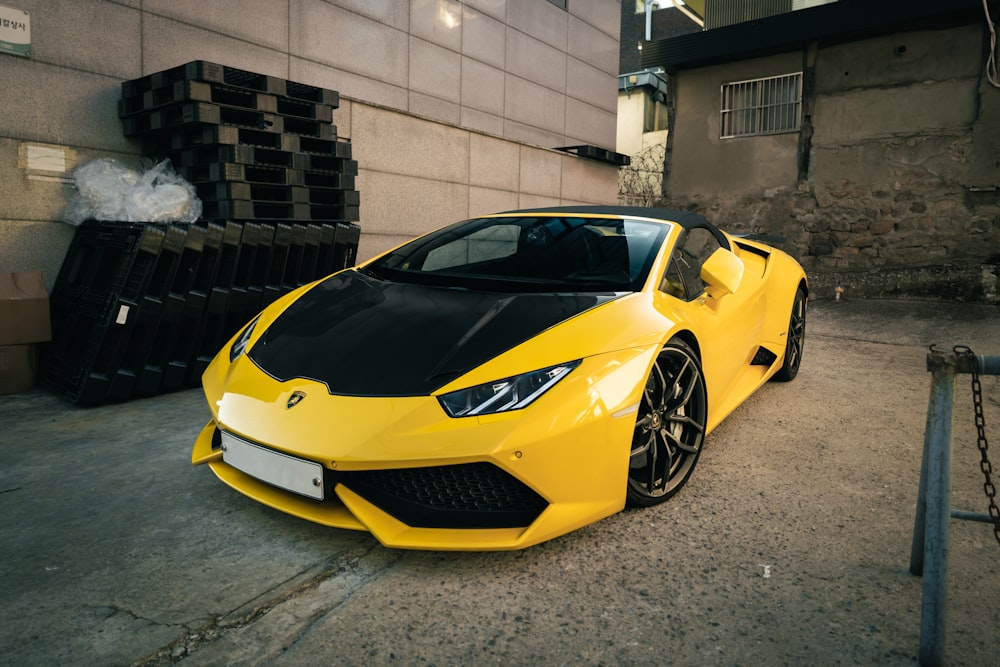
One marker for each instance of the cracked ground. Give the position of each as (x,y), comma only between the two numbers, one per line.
(790,545)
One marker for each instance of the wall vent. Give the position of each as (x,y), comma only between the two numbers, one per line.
(719,13)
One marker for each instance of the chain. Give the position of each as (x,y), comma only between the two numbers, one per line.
(984,464)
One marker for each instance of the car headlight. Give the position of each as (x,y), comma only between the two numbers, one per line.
(241,343)
(512,393)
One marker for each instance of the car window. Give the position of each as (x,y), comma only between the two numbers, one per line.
(481,246)
(531,253)
(682,278)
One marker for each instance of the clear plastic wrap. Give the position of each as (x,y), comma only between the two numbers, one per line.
(109,190)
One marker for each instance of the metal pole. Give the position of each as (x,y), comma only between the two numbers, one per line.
(989,364)
(929,550)
(971,516)
(920,521)
(937,507)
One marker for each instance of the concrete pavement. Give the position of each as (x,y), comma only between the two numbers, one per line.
(116,551)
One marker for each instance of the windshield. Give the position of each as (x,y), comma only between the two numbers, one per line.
(531,253)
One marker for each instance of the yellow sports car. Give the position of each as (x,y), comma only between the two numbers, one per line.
(504,380)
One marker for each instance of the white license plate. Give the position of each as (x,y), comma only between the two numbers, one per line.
(288,472)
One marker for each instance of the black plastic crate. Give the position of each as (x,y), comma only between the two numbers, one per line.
(309,268)
(135,352)
(327,179)
(346,213)
(208,265)
(200,70)
(229,254)
(243,303)
(213,331)
(308,127)
(196,91)
(333,197)
(239,209)
(243,267)
(161,276)
(290,106)
(99,258)
(194,135)
(339,165)
(122,268)
(293,263)
(177,371)
(151,375)
(274,285)
(181,317)
(346,245)
(88,344)
(261,192)
(250,173)
(237,154)
(262,258)
(179,293)
(192,255)
(320,146)
(175,116)
(324,254)
(104,295)
(303,91)
(150,333)
(208,237)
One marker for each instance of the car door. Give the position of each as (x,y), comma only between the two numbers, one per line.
(727,327)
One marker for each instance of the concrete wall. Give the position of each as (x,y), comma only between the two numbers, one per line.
(896,188)
(641,182)
(471,173)
(703,166)
(631,112)
(451,105)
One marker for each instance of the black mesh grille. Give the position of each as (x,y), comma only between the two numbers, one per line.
(764,357)
(473,495)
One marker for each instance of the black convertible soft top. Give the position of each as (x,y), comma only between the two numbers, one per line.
(685,219)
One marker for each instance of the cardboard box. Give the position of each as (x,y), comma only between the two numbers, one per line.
(24,309)
(18,366)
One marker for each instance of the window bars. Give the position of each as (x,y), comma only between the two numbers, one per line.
(771,105)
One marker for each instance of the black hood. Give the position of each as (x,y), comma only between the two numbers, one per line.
(363,336)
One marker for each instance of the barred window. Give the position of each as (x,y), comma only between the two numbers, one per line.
(754,107)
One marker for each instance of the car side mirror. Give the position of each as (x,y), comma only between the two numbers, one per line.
(722,273)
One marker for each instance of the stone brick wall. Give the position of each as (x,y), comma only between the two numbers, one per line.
(898,187)
(939,242)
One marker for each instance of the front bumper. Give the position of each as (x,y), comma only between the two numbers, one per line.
(415,478)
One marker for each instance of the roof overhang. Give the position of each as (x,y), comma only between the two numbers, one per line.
(654,80)
(840,21)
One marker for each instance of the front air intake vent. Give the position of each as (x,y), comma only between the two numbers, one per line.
(764,357)
(472,495)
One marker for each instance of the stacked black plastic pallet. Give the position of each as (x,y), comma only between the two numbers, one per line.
(140,309)
(254,146)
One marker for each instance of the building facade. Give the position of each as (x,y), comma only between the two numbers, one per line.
(454,108)
(642,98)
(865,135)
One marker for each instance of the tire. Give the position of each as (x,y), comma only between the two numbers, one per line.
(669,428)
(796,341)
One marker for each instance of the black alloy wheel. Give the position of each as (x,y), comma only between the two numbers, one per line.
(670,426)
(796,339)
